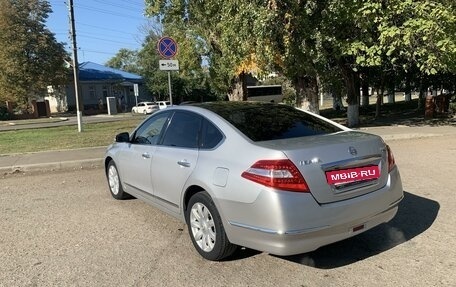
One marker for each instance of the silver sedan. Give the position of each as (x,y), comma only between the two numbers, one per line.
(264,176)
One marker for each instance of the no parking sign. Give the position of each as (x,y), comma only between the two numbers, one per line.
(167,47)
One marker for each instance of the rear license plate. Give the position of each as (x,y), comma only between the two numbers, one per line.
(352,175)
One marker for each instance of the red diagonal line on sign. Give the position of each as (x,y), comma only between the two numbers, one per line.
(168,48)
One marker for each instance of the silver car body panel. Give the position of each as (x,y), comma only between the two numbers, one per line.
(259,217)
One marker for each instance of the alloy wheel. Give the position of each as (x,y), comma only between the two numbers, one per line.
(202,226)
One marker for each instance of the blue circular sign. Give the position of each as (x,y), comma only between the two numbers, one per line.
(167,47)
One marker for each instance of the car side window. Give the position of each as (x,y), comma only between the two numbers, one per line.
(211,136)
(149,132)
(183,130)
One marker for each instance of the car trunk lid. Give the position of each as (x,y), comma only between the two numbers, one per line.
(337,166)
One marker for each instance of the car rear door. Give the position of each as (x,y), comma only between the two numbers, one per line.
(175,158)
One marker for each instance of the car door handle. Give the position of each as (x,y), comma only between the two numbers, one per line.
(146,155)
(183,163)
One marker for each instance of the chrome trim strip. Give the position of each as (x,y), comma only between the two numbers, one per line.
(346,188)
(146,194)
(278,232)
(347,163)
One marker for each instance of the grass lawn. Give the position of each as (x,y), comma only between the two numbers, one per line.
(65,137)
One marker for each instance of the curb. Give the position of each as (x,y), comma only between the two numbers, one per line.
(53,166)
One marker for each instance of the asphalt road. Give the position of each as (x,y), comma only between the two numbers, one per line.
(64,229)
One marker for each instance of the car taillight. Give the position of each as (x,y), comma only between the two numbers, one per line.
(280,174)
(391,161)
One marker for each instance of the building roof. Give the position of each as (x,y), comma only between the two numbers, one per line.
(89,71)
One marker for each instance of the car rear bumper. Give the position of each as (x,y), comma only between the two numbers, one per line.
(294,223)
(290,242)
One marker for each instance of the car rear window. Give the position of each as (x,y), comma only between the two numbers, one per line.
(264,122)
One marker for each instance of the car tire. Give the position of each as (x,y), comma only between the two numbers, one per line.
(114,183)
(206,229)
(145,112)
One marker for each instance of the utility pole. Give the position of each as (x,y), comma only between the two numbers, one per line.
(79,105)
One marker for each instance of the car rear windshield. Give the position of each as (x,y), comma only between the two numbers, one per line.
(264,122)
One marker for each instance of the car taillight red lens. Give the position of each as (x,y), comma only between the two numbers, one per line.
(391,161)
(280,174)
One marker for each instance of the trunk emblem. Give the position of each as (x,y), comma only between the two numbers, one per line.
(310,161)
(352,151)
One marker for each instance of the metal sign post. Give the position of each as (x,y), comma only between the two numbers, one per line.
(136,89)
(167,48)
(169,88)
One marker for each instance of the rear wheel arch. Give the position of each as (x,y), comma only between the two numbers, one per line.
(191,190)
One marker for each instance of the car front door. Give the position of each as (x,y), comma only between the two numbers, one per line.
(175,158)
(137,157)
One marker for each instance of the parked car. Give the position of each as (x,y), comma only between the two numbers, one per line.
(163,104)
(265,176)
(144,108)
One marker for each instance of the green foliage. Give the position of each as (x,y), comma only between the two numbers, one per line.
(30,57)
(221,31)
(407,42)
(126,60)
(408,34)
(156,80)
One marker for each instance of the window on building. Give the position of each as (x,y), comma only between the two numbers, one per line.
(92,92)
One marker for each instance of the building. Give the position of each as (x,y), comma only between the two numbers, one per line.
(96,83)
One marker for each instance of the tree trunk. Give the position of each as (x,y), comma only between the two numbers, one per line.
(307,93)
(352,84)
(422,95)
(391,97)
(392,90)
(353,115)
(408,90)
(365,97)
(239,89)
(338,105)
(378,104)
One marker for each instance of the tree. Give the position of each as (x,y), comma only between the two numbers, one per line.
(156,80)
(126,60)
(224,32)
(406,38)
(30,57)
(340,45)
(189,83)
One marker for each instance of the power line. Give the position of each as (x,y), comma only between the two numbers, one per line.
(119,5)
(109,12)
(107,38)
(103,39)
(104,28)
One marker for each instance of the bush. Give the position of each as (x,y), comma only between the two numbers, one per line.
(4,115)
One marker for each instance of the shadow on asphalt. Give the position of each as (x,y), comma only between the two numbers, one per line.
(416,214)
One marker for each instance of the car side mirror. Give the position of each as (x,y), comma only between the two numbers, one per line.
(123,137)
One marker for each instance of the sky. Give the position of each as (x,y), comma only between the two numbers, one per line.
(103,27)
